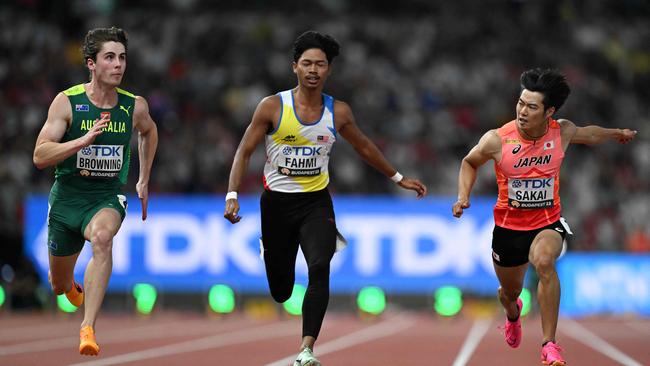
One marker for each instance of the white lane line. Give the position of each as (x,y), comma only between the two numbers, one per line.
(383,329)
(51,330)
(274,330)
(28,331)
(143,333)
(479,328)
(586,337)
(643,327)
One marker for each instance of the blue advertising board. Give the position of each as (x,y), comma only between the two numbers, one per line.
(403,245)
(605,283)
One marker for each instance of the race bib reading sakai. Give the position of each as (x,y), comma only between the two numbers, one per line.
(531,192)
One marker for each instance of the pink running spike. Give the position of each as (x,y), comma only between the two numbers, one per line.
(513,332)
(551,355)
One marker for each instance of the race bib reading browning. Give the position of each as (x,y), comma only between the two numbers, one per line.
(100,161)
(530,192)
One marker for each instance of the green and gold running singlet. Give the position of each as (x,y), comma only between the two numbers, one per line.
(108,157)
(90,179)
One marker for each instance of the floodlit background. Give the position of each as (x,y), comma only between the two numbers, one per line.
(425,80)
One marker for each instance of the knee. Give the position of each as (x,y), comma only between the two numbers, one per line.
(281,294)
(544,265)
(511,294)
(103,237)
(102,241)
(319,269)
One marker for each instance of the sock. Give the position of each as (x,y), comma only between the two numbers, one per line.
(518,315)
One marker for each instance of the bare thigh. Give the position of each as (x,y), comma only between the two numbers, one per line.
(547,244)
(107,219)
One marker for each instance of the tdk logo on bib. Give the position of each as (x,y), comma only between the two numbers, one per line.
(102,150)
(532,183)
(302,150)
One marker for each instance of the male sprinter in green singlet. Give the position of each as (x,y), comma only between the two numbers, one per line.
(87,136)
(299,127)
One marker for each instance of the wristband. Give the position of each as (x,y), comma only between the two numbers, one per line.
(231,195)
(397,177)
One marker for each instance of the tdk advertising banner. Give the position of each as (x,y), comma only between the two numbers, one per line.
(403,245)
(605,283)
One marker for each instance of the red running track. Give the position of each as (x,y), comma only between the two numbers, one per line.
(406,338)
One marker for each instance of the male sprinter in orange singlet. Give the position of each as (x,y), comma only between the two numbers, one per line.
(527,154)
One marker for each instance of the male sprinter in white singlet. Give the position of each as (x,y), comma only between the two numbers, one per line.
(299,127)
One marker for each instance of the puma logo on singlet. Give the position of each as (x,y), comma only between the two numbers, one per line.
(533,160)
(126,110)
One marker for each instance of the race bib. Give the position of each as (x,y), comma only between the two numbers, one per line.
(531,192)
(301,161)
(100,161)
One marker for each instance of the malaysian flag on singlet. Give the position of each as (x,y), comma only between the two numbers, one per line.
(322,139)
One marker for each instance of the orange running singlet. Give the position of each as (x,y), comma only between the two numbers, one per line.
(528,176)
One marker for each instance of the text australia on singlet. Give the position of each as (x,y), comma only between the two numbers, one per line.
(101,161)
(536,192)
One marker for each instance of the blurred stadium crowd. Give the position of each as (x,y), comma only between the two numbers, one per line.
(425,80)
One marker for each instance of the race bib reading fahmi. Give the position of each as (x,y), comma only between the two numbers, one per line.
(301,161)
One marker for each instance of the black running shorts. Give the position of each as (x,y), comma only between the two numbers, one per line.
(510,248)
